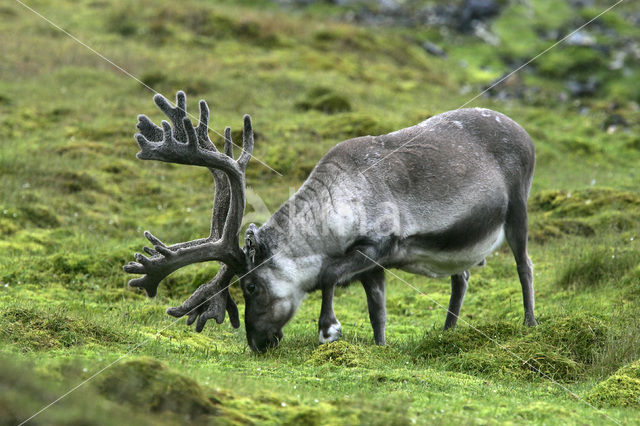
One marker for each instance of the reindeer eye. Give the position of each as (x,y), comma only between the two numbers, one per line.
(251,287)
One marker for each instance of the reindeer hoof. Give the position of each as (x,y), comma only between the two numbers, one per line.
(330,334)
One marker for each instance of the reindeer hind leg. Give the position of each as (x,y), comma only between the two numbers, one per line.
(516,232)
(374,286)
(458,290)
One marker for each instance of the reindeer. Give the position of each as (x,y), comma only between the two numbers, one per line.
(433,199)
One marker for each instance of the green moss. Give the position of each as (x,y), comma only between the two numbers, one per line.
(63,295)
(25,390)
(153,78)
(40,216)
(622,389)
(571,61)
(37,328)
(438,343)
(613,21)
(203,25)
(7,226)
(307,417)
(580,335)
(74,268)
(543,231)
(525,360)
(150,386)
(584,212)
(71,263)
(72,182)
(584,202)
(340,353)
(324,100)
(122,22)
(560,348)
(31,214)
(346,126)
(543,410)
(632,370)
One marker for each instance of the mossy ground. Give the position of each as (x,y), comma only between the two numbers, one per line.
(74,202)
(622,389)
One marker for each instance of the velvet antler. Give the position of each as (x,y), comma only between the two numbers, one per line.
(186,144)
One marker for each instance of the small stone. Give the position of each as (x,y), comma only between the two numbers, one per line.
(614,121)
(580,38)
(582,88)
(434,49)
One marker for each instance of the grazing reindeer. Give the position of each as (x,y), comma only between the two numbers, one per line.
(434,199)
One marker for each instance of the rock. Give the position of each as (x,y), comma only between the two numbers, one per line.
(476,10)
(580,4)
(507,87)
(580,38)
(614,122)
(459,15)
(481,30)
(434,49)
(578,89)
(619,58)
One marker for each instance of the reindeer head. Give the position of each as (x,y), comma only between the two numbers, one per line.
(270,294)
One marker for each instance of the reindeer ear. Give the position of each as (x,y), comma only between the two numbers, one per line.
(251,242)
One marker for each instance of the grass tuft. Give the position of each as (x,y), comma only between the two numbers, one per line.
(597,265)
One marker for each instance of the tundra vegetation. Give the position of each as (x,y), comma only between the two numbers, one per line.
(73,196)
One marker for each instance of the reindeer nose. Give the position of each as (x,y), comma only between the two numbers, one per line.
(261,342)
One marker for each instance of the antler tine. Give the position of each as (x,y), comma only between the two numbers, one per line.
(148,129)
(228,142)
(203,127)
(177,114)
(247,143)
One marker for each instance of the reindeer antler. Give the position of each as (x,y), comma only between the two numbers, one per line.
(192,146)
(211,299)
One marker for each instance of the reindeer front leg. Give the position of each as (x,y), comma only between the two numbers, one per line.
(357,260)
(329,328)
